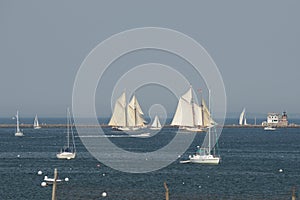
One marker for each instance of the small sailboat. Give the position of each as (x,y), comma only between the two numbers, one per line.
(36,124)
(69,151)
(243,120)
(190,116)
(204,155)
(18,131)
(127,117)
(156,124)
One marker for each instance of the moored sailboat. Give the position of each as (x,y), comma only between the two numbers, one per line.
(204,155)
(18,133)
(69,151)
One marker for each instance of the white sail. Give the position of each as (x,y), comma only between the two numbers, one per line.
(127,116)
(242,117)
(156,123)
(188,96)
(18,125)
(190,114)
(207,120)
(36,124)
(245,121)
(198,121)
(184,113)
(119,115)
(135,113)
(18,132)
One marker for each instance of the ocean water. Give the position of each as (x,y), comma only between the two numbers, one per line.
(251,159)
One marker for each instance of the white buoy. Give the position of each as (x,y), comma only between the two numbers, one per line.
(18,156)
(182,183)
(280,170)
(66,179)
(43,184)
(40,172)
(104,194)
(103,174)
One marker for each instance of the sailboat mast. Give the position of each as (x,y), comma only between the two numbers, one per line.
(134,111)
(68,131)
(209,126)
(17,116)
(126,110)
(36,121)
(193,109)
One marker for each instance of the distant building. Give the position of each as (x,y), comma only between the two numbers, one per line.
(273,118)
(276,119)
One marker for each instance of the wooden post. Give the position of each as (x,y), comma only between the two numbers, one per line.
(54,185)
(294,193)
(167,190)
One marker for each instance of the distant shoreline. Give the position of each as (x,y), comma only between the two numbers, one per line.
(166,126)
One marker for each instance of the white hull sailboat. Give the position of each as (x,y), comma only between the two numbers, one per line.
(205,159)
(156,124)
(203,155)
(127,117)
(36,124)
(68,152)
(18,133)
(190,116)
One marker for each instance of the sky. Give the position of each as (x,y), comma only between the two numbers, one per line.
(255,45)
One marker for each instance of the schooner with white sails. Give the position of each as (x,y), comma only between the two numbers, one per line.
(190,116)
(127,117)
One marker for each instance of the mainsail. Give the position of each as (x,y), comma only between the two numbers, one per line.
(119,115)
(36,124)
(135,113)
(184,112)
(156,123)
(207,120)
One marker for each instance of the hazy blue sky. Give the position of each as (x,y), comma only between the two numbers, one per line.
(255,44)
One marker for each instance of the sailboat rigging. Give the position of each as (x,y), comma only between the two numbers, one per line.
(204,155)
(69,151)
(127,117)
(190,116)
(18,133)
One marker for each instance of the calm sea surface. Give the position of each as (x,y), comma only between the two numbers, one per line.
(251,159)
